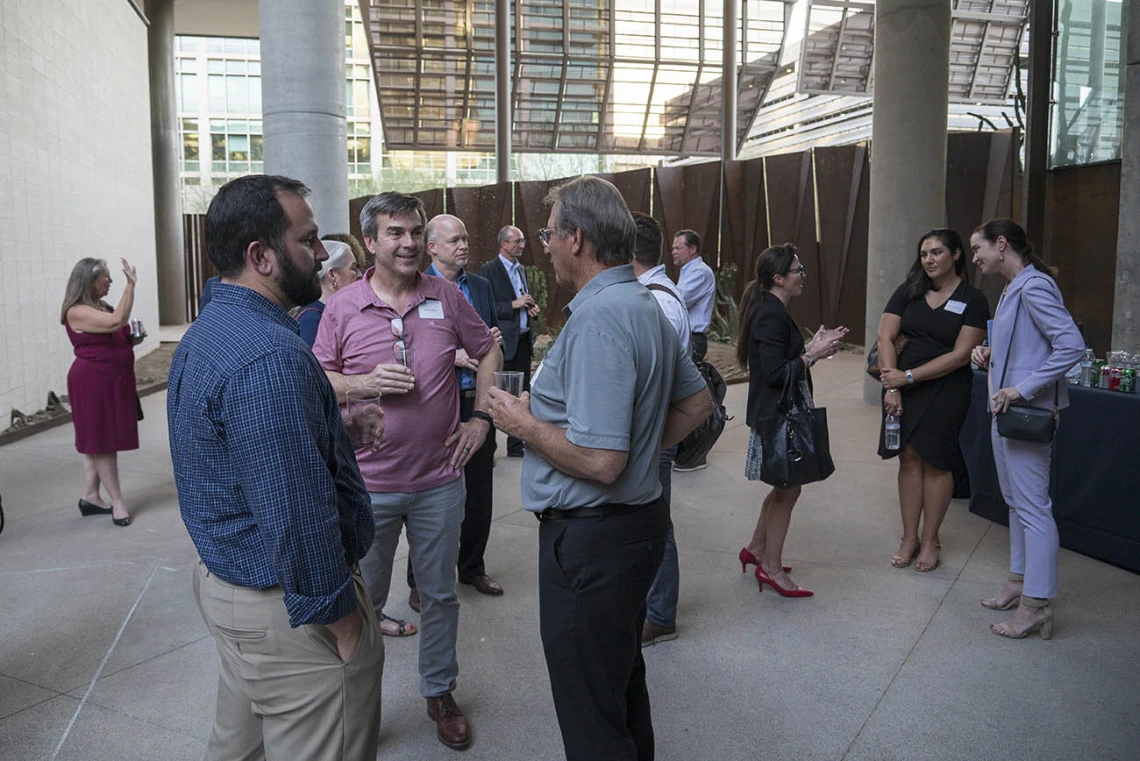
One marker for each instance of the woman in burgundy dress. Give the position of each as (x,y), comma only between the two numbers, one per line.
(101,383)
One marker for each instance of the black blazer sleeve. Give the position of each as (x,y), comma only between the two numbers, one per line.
(775,345)
(501,285)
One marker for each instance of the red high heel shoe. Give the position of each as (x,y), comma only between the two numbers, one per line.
(763,578)
(747,558)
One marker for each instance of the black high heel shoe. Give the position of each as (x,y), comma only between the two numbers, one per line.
(122,521)
(88,509)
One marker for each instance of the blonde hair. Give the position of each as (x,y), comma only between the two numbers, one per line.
(81,285)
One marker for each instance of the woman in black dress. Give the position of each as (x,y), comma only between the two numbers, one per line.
(928,385)
(770,343)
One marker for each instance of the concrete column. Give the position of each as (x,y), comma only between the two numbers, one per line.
(302,97)
(1037,120)
(165,147)
(1126,299)
(908,145)
(503,116)
(728,83)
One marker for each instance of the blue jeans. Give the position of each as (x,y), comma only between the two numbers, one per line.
(661,603)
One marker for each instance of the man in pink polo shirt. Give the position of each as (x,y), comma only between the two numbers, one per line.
(397,330)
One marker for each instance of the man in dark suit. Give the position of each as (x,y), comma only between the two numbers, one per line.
(446,239)
(515,309)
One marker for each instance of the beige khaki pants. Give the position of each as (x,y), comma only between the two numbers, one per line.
(283,693)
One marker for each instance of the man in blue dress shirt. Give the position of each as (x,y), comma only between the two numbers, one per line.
(271,495)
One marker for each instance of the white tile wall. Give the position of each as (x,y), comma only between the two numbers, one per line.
(75,177)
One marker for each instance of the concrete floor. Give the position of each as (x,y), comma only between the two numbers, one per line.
(103,655)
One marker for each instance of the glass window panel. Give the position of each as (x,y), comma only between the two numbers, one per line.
(216,125)
(255,127)
(256,148)
(190,146)
(255,95)
(215,66)
(188,92)
(238,146)
(215,45)
(217,88)
(235,46)
(237,94)
(1088,113)
(234,66)
(255,67)
(218,148)
(237,127)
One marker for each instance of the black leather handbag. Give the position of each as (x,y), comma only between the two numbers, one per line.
(1021,421)
(794,442)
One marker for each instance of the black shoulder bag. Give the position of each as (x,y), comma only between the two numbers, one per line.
(794,442)
(1021,421)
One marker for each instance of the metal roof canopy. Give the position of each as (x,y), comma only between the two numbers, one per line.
(838,48)
(615,76)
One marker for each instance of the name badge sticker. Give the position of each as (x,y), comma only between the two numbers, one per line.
(957,307)
(430,309)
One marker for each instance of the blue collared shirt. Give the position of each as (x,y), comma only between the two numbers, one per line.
(520,288)
(466,377)
(697,285)
(267,481)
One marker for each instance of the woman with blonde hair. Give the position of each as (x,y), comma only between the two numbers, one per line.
(101,382)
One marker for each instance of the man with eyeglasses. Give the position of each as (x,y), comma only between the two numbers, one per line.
(515,308)
(397,330)
(615,389)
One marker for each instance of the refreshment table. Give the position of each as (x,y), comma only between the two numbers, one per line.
(1096,472)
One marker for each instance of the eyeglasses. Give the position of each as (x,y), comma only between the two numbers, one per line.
(544,234)
(400,347)
(797,271)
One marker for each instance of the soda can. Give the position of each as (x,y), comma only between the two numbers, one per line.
(1128,380)
(1097,372)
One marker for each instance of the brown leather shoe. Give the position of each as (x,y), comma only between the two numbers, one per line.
(652,633)
(414,600)
(484,585)
(451,724)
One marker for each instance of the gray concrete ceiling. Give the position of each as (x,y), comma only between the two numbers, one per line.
(216,18)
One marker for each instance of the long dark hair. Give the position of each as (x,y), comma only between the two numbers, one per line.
(81,285)
(773,261)
(1015,236)
(917,281)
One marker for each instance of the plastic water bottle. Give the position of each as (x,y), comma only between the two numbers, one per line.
(1086,364)
(893,432)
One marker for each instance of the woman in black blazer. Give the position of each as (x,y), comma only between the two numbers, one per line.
(770,342)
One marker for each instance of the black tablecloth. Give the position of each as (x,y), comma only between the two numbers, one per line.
(1096,472)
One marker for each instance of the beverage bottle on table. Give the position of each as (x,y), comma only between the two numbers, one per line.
(893,432)
(1087,368)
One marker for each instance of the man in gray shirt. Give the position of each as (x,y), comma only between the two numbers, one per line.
(614,390)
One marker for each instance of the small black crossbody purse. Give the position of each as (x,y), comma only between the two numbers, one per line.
(1021,421)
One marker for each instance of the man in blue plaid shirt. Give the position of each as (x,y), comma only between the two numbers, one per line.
(271,495)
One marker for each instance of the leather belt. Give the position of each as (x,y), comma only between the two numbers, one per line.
(601,511)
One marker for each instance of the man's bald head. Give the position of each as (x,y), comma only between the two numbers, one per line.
(445,221)
(511,242)
(446,241)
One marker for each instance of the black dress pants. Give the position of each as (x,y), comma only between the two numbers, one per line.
(520,363)
(594,574)
(476,527)
(700,346)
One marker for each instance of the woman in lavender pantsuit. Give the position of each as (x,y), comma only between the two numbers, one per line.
(1033,342)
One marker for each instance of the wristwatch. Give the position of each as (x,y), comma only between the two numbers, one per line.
(909,377)
(481,415)
(810,360)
